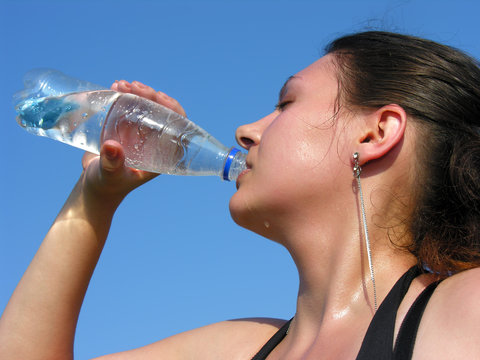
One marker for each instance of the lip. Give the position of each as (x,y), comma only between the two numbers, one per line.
(241,175)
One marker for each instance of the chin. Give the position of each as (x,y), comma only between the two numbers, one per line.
(246,217)
(238,211)
(241,212)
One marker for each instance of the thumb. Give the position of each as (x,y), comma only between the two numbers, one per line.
(112,157)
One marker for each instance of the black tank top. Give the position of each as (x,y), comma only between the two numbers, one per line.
(377,343)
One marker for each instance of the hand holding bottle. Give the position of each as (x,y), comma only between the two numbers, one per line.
(147,92)
(106,175)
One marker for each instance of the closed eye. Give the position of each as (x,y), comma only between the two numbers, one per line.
(281,105)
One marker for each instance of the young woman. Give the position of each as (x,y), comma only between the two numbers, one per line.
(368,172)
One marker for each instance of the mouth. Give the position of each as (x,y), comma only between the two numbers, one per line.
(242,174)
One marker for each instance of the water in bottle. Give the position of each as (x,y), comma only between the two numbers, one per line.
(154,137)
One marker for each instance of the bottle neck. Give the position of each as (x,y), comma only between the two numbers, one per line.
(235,163)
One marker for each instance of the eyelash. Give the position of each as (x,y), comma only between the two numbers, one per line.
(281,105)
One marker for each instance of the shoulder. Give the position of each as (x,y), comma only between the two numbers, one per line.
(458,294)
(231,339)
(450,327)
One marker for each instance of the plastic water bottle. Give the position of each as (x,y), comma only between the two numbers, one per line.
(154,137)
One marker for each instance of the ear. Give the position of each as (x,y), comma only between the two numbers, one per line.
(385,129)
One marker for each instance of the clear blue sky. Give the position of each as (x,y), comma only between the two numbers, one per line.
(174,259)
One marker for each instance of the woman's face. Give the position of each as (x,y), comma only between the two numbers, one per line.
(297,156)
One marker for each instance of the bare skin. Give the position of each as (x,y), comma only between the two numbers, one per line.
(334,305)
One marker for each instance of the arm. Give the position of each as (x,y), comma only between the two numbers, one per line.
(40,319)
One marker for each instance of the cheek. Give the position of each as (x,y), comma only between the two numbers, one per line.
(293,168)
(282,146)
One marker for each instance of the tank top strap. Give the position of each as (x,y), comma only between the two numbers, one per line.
(407,334)
(273,342)
(378,341)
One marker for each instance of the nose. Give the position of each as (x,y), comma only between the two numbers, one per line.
(249,135)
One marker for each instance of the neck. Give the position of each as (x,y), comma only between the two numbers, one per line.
(335,284)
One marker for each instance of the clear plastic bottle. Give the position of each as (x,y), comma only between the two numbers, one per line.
(154,137)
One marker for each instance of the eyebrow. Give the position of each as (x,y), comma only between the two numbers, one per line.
(284,89)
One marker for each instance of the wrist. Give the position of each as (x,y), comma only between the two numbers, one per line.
(91,207)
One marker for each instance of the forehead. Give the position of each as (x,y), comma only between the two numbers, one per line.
(319,78)
(322,69)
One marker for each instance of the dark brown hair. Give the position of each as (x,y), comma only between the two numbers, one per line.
(439,88)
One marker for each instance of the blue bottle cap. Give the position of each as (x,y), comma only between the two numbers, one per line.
(228,163)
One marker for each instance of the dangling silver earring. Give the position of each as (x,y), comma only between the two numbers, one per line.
(357,170)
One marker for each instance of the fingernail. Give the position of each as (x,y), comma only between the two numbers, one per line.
(110,153)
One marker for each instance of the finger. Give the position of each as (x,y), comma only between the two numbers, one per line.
(169,102)
(112,156)
(124,86)
(159,97)
(112,160)
(140,89)
(143,90)
(114,86)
